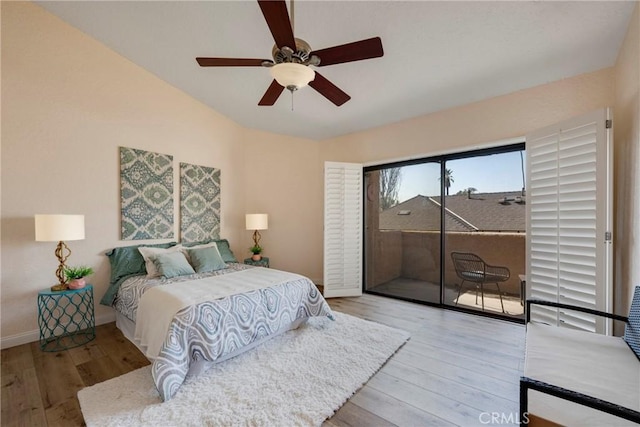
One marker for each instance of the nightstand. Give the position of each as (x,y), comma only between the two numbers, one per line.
(264,262)
(66,318)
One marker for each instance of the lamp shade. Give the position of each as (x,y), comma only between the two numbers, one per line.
(56,228)
(257,221)
(292,75)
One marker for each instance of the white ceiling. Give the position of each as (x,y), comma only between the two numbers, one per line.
(437,54)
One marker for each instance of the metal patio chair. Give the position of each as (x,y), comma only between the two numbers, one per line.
(471,268)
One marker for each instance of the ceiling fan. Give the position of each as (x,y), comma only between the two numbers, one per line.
(292,57)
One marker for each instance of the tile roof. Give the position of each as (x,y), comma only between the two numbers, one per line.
(477,212)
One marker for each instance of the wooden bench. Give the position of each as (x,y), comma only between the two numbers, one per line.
(578,378)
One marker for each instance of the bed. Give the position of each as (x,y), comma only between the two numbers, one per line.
(184,318)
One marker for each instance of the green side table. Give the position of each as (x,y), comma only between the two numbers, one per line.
(66,318)
(264,262)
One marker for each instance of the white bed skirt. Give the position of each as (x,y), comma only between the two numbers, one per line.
(128,329)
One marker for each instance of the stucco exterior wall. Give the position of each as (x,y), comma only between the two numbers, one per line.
(416,255)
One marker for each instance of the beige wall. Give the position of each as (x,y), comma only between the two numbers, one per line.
(476,124)
(627,166)
(284,179)
(68,103)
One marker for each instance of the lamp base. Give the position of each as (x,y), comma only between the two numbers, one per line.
(62,257)
(256,238)
(59,287)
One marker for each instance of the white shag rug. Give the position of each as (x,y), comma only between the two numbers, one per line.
(298,378)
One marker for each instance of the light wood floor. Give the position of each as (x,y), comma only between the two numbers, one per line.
(455,368)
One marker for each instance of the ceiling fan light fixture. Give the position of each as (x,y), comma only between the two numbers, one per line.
(292,75)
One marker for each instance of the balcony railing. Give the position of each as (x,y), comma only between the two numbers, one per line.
(416,255)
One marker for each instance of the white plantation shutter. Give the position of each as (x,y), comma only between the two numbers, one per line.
(342,229)
(568,216)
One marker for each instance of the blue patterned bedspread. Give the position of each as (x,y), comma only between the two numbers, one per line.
(211,330)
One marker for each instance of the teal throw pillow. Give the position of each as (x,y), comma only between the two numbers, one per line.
(225,250)
(125,262)
(172,264)
(205,260)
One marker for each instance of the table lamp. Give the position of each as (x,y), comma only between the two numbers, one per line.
(56,228)
(257,222)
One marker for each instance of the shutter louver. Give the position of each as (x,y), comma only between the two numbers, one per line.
(567,216)
(342,229)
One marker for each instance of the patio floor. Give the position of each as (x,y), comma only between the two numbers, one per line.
(426,291)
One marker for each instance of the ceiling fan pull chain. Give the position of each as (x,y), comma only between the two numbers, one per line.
(291,100)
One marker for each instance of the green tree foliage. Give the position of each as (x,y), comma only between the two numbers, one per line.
(390,179)
(448,180)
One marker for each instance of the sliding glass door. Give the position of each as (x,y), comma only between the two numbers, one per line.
(435,228)
(485,233)
(402,232)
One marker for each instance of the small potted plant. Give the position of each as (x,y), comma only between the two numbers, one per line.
(76,275)
(256,250)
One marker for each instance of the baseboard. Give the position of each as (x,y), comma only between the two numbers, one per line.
(106,318)
(19,339)
(31,336)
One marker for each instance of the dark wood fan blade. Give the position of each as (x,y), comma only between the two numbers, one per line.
(330,91)
(277,17)
(271,95)
(230,62)
(356,51)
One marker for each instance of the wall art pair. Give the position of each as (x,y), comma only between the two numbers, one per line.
(146,197)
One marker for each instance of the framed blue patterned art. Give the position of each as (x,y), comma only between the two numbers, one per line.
(199,203)
(146,195)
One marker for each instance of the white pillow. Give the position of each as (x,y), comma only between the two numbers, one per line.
(148,253)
